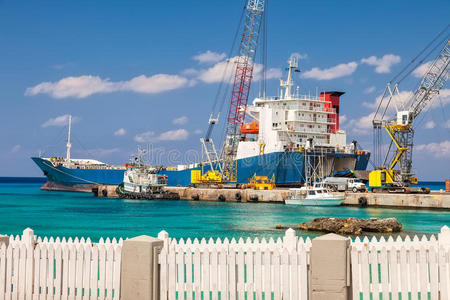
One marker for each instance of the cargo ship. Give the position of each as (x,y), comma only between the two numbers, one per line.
(282,130)
(273,144)
(77,175)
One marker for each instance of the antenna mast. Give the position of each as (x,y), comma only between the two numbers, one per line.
(69,145)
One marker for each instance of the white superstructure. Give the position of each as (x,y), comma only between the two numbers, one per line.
(291,121)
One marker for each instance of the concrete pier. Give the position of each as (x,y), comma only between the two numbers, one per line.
(434,200)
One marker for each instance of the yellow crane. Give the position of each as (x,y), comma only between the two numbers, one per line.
(394,174)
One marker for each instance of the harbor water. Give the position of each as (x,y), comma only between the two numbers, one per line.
(23,205)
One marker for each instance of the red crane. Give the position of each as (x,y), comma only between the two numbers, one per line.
(241,87)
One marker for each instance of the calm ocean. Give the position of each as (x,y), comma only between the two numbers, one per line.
(23,204)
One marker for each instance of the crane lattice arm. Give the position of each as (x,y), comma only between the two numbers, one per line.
(435,78)
(241,86)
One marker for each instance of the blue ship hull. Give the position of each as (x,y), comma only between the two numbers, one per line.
(79,180)
(288,168)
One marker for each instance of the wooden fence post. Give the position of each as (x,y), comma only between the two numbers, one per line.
(140,271)
(28,237)
(330,268)
(290,239)
(444,237)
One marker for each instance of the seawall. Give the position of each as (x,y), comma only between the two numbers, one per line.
(434,200)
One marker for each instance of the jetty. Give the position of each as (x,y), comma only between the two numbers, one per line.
(434,200)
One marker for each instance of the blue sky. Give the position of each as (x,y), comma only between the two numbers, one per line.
(139,71)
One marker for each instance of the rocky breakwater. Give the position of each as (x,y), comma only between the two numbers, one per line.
(349,226)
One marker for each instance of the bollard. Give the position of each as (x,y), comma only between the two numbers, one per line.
(330,268)
(140,270)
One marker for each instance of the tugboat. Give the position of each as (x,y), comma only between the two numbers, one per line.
(141,181)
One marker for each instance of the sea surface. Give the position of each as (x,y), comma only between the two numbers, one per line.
(23,204)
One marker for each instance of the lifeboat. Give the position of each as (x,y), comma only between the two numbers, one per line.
(250,128)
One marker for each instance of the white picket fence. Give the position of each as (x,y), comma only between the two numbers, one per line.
(402,268)
(235,269)
(36,268)
(46,268)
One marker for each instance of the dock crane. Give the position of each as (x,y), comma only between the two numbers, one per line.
(395,173)
(223,168)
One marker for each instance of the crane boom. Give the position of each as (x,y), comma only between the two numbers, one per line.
(435,78)
(241,86)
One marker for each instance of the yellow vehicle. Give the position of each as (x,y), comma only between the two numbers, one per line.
(261,182)
(208,177)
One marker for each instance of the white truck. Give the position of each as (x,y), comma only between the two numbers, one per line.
(342,184)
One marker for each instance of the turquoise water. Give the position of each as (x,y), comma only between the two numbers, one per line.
(77,214)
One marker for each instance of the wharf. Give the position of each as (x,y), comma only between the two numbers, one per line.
(434,200)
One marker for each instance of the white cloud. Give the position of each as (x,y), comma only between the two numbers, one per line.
(342,119)
(383,64)
(441,149)
(430,125)
(59,121)
(198,131)
(337,71)
(120,132)
(209,57)
(16,149)
(298,56)
(145,137)
(174,135)
(171,135)
(369,90)
(86,85)
(420,71)
(180,121)
(224,70)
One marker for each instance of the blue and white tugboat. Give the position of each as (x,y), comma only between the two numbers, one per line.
(141,181)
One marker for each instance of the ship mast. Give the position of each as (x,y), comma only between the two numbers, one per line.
(287,85)
(69,145)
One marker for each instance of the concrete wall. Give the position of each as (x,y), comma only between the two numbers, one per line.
(435,200)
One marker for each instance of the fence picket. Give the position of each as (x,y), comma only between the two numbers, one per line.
(205,274)
(189,281)
(109,269)
(197,273)
(434,268)
(43,272)
(22,271)
(240,285)
(164,273)
(50,271)
(268,274)
(384,273)
(277,275)
(172,275)
(413,272)
(94,272)
(285,275)
(86,271)
(15,273)
(214,274)
(58,271)
(403,273)
(355,265)
(232,273)
(2,269)
(117,269)
(179,260)
(258,274)
(250,285)
(443,269)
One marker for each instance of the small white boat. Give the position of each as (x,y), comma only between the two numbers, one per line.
(313,196)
